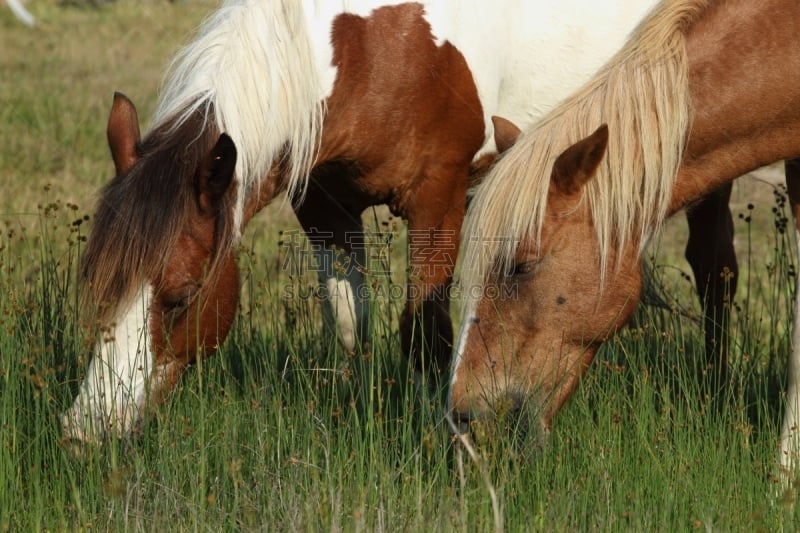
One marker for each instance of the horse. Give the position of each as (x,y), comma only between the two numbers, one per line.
(696,97)
(340,106)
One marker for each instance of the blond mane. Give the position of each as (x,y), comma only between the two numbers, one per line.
(643,95)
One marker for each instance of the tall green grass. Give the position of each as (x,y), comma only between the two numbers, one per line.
(281,429)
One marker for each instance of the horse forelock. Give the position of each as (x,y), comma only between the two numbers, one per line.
(642,93)
(142,212)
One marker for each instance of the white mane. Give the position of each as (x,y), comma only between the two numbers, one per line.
(252,62)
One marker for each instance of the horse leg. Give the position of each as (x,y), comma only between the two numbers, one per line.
(426,331)
(712,257)
(336,236)
(791,418)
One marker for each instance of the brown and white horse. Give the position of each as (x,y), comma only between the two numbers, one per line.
(404,92)
(704,91)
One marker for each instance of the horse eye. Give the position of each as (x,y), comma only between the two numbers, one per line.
(174,304)
(523,268)
(178,299)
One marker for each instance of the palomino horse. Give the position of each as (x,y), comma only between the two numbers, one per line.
(404,93)
(704,91)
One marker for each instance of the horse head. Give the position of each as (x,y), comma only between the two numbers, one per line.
(159,276)
(525,343)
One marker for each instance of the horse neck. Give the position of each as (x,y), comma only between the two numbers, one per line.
(744,60)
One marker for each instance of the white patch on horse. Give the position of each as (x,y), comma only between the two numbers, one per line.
(342,304)
(342,280)
(543,53)
(790,433)
(466,322)
(113,393)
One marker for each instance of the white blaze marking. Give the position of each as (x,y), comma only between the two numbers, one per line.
(114,391)
(463,334)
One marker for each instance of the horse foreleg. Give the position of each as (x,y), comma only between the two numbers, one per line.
(341,276)
(712,257)
(336,236)
(433,236)
(791,418)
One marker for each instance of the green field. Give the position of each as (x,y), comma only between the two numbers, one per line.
(283,431)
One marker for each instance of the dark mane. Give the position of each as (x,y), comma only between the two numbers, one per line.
(140,215)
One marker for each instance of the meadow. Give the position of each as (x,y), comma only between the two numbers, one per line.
(283,431)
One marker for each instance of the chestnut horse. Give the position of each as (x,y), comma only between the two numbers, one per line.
(703,92)
(404,93)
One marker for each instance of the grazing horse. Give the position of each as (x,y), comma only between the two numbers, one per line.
(342,105)
(703,92)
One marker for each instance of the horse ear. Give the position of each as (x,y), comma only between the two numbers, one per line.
(578,164)
(505,133)
(215,175)
(123,133)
